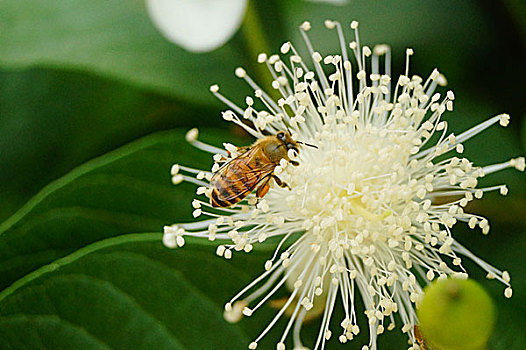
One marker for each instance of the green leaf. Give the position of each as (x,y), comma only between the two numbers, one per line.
(52,121)
(43,331)
(111,38)
(127,292)
(128,190)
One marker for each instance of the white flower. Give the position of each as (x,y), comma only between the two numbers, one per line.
(197,25)
(370,211)
(201,25)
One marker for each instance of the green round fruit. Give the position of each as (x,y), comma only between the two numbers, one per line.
(456,314)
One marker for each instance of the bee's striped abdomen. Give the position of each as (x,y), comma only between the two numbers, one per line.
(217,200)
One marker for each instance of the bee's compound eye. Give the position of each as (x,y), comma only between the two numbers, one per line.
(281,135)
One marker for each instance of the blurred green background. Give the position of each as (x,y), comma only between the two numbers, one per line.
(83,83)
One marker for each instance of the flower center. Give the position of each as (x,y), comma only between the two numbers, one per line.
(357,208)
(356,185)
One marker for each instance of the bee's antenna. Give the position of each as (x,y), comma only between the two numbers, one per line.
(307,144)
(300,142)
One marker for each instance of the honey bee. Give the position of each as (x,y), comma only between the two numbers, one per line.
(253,168)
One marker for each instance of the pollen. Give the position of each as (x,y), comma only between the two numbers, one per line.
(192,135)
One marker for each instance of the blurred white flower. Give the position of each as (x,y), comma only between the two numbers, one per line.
(201,25)
(197,25)
(370,211)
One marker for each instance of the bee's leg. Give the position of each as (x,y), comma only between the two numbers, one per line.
(263,187)
(280,183)
(293,162)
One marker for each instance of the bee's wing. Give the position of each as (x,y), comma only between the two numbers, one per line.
(237,178)
(245,186)
(242,152)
